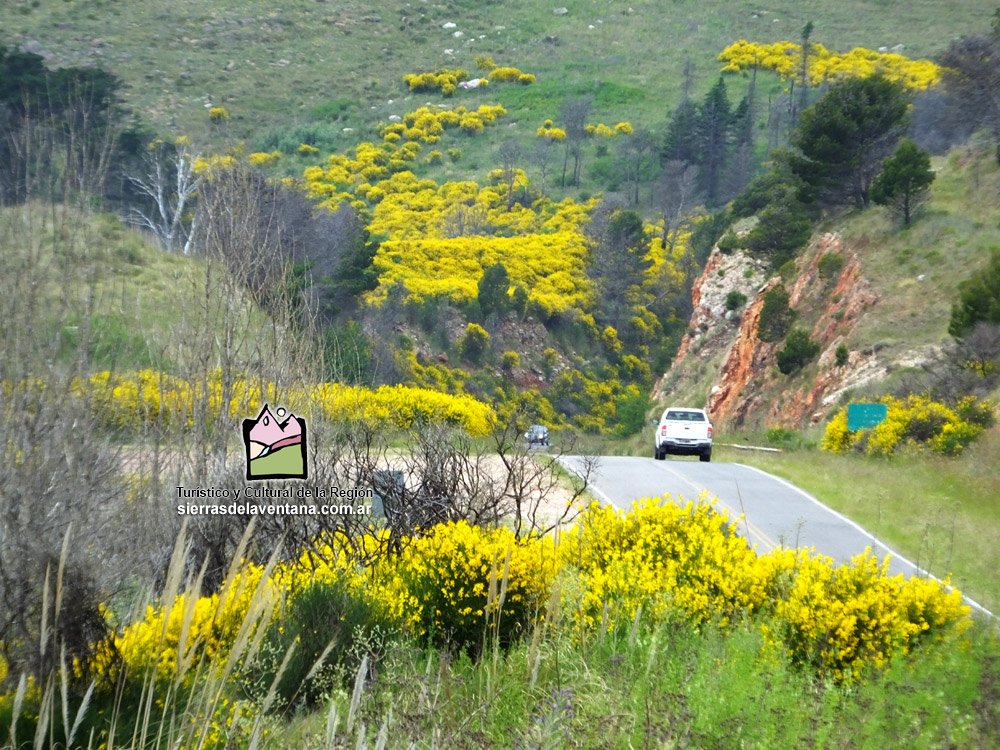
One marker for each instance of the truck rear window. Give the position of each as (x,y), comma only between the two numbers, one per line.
(686,416)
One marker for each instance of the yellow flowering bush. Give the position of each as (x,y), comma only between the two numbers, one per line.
(551,132)
(130,401)
(600,130)
(552,267)
(824,65)
(210,166)
(264,158)
(913,420)
(835,620)
(172,639)
(511,75)
(443,79)
(218,114)
(841,620)
(662,558)
(458,583)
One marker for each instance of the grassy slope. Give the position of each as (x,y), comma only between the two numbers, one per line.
(950,240)
(275,69)
(915,273)
(141,301)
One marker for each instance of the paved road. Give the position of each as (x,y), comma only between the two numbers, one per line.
(775,513)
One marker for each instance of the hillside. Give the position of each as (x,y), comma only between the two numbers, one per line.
(96,283)
(888,301)
(324,72)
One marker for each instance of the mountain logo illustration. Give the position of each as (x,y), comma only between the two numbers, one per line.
(275,445)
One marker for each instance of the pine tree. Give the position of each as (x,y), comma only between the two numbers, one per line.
(843,138)
(681,142)
(714,121)
(903,182)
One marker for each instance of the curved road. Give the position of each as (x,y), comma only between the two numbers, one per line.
(774,512)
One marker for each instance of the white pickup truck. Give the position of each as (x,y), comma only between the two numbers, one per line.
(683,431)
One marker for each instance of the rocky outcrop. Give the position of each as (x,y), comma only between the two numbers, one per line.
(747,386)
(731,396)
(723,274)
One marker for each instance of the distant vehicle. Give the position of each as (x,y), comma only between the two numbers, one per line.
(684,432)
(537,434)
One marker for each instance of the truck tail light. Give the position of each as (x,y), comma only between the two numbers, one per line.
(710,430)
(663,430)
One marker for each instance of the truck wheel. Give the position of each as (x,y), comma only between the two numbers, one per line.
(706,456)
(659,455)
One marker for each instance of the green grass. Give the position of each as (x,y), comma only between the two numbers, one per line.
(941,513)
(666,687)
(916,272)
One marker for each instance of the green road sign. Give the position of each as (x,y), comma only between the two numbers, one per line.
(865,416)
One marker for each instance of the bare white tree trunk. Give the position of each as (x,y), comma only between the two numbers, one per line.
(171,184)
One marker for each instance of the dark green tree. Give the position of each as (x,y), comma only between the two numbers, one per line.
(979,300)
(798,350)
(681,141)
(713,135)
(618,265)
(57,127)
(971,77)
(843,138)
(742,162)
(773,187)
(775,315)
(807,31)
(573,115)
(493,286)
(903,182)
(782,228)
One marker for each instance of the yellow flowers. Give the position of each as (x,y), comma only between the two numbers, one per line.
(128,401)
(264,158)
(840,620)
(218,114)
(443,79)
(171,640)
(600,130)
(651,558)
(914,420)
(458,585)
(447,80)
(550,266)
(456,581)
(210,166)
(551,132)
(784,58)
(836,620)
(511,75)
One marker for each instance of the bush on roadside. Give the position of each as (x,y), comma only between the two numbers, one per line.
(914,420)
(462,586)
